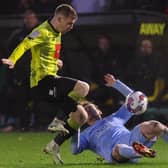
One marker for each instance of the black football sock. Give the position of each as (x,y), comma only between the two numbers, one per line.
(60,138)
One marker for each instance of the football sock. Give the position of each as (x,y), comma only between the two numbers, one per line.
(127,151)
(73,124)
(75,96)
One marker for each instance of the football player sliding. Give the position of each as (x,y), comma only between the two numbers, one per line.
(110,139)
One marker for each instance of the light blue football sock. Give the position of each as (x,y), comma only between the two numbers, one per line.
(127,151)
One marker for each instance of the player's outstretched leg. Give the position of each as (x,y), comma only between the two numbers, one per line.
(52,147)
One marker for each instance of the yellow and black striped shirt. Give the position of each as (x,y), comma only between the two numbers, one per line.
(45,44)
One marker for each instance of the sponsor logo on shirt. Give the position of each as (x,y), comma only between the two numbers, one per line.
(34,34)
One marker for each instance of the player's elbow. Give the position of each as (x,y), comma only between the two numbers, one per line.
(74,150)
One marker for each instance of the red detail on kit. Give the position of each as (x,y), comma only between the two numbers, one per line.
(57,51)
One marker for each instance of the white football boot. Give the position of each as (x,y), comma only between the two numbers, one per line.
(53,149)
(57,126)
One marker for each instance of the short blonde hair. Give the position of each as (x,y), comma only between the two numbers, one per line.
(66,10)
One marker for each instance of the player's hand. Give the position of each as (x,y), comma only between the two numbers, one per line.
(60,63)
(8,62)
(109,79)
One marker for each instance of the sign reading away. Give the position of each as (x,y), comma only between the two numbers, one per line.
(152,29)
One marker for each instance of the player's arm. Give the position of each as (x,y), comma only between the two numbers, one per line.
(78,146)
(34,38)
(60,63)
(8,62)
(111,81)
(17,53)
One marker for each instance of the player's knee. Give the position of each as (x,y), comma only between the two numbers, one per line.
(152,128)
(157,127)
(94,113)
(82,88)
(80,116)
(116,154)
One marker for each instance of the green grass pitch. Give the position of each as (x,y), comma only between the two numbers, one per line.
(24,150)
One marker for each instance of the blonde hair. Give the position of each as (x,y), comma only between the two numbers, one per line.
(66,10)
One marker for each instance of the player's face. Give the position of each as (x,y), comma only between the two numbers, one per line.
(93,113)
(66,23)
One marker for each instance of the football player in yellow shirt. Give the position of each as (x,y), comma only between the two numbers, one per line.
(45,44)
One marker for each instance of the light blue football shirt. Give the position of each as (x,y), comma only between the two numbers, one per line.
(102,137)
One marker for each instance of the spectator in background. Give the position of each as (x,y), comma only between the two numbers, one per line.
(148,67)
(18,90)
(30,20)
(103,61)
